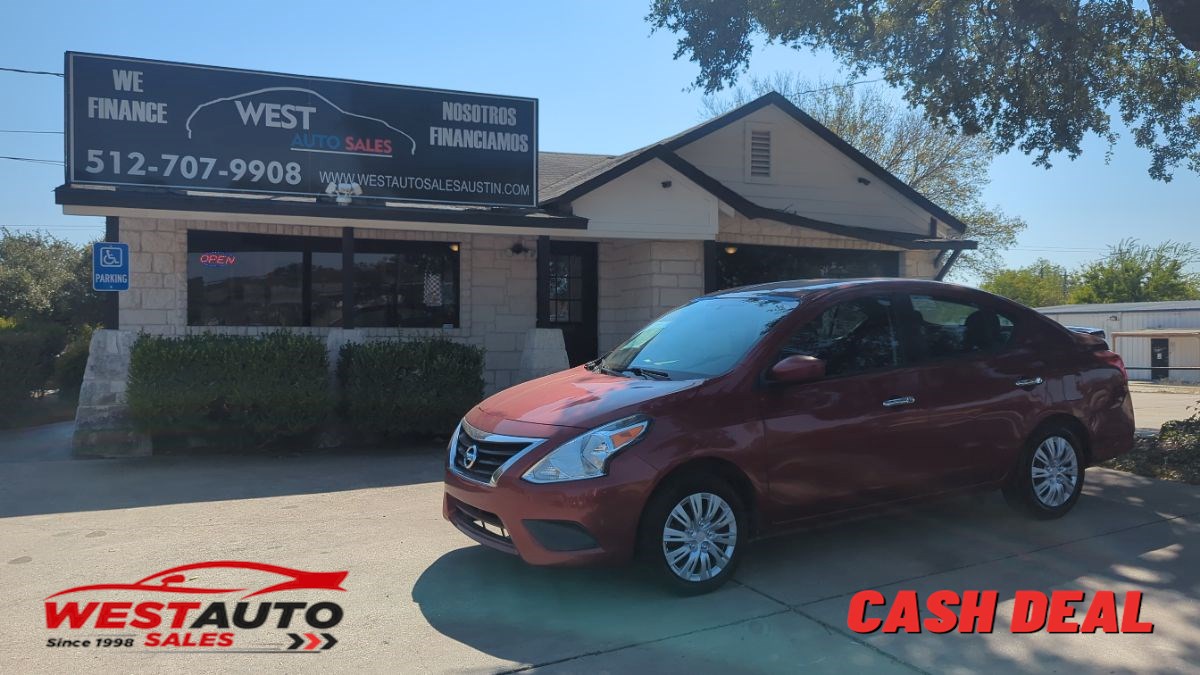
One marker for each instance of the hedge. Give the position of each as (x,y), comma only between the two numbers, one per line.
(421,386)
(70,365)
(27,351)
(234,390)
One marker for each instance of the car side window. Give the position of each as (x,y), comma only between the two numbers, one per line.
(945,328)
(850,337)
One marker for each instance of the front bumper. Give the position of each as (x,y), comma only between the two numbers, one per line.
(587,522)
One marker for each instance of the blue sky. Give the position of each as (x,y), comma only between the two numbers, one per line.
(605,84)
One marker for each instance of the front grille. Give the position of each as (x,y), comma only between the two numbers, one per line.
(491,451)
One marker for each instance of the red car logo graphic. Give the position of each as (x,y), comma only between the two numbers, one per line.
(171,580)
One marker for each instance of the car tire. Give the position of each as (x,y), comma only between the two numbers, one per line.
(1049,477)
(700,559)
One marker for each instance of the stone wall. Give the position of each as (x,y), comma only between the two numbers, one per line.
(640,280)
(102,424)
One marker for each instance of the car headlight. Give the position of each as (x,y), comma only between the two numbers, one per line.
(587,456)
(453,442)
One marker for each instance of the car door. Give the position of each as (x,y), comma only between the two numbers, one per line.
(850,438)
(981,382)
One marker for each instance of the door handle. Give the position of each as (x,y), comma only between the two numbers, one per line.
(903,400)
(1029,381)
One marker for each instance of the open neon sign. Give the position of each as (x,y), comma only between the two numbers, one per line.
(217,259)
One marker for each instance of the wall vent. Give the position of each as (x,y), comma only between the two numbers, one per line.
(760,153)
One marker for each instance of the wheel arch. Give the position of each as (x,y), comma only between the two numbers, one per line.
(1072,423)
(728,471)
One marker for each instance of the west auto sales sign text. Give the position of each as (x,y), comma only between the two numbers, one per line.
(135,122)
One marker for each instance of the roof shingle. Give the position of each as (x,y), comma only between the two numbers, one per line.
(554,167)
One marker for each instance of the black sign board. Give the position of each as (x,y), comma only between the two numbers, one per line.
(155,124)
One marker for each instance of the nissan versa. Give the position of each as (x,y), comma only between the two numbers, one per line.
(757,409)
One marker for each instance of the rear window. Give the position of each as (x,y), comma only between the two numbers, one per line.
(946,328)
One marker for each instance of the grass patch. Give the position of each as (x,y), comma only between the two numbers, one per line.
(1174,454)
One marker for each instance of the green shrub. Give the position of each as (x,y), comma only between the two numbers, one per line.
(421,386)
(19,353)
(27,351)
(234,390)
(72,362)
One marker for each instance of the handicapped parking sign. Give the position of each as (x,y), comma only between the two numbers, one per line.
(110,266)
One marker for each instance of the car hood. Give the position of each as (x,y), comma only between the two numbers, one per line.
(580,398)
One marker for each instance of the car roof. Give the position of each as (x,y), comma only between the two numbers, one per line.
(800,287)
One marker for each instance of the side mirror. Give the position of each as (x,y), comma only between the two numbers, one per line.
(796,369)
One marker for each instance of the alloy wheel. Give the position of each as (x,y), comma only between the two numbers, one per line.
(699,537)
(1055,471)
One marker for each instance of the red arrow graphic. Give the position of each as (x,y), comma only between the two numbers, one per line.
(313,641)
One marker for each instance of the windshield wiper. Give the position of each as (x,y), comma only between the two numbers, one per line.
(596,367)
(648,373)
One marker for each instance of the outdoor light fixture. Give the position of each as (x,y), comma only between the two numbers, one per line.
(519,248)
(343,193)
(731,249)
(454,247)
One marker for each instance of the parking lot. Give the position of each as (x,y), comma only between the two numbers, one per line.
(422,598)
(1154,404)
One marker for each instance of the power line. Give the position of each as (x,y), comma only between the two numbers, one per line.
(30,72)
(32,160)
(1057,250)
(847,85)
(27,131)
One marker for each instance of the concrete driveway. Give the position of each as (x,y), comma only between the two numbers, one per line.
(422,598)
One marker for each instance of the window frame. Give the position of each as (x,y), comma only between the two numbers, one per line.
(214,240)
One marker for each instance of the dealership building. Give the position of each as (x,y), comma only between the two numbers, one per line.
(545,268)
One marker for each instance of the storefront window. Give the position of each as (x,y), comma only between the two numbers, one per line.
(326,282)
(741,265)
(246,288)
(265,280)
(413,288)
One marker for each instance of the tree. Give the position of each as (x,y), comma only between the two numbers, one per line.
(1041,284)
(950,169)
(1037,75)
(1133,272)
(46,278)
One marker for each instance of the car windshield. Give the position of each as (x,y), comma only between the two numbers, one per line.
(699,340)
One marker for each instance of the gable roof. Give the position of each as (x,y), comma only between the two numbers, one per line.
(602,171)
(595,175)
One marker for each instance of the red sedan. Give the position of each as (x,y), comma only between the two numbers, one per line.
(757,409)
